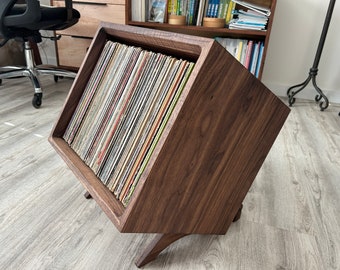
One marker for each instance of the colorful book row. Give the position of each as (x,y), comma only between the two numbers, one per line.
(240,13)
(248,52)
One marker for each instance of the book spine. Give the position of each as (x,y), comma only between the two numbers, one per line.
(254,58)
(190,12)
(248,53)
(195,12)
(231,7)
(239,50)
(179,8)
(222,9)
(259,60)
(210,8)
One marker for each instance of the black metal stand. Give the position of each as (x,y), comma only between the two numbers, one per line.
(314,69)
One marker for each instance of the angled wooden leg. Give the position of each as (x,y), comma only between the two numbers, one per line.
(238,214)
(87,195)
(158,244)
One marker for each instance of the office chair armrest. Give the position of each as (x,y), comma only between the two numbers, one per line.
(31,14)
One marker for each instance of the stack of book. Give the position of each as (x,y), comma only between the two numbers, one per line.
(123,112)
(248,52)
(254,18)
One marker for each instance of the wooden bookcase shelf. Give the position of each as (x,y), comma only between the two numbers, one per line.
(211,32)
(215,141)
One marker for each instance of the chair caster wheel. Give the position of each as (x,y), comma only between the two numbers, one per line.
(37,100)
(0,81)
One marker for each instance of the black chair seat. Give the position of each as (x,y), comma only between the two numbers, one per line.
(52,18)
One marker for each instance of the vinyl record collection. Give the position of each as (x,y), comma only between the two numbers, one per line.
(123,112)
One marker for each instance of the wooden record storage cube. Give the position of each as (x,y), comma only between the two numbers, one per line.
(209,154)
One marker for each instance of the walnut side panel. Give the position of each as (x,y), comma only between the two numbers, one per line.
(215,147)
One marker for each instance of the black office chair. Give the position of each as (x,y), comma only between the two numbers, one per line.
(22,20)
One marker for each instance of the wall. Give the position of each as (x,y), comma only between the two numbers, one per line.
(293,43)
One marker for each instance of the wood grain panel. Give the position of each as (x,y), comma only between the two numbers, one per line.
(72,50)
(216,145)
(91,16)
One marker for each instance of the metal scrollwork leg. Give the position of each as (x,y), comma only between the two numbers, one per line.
(321,95)
(291,93)
(314,70)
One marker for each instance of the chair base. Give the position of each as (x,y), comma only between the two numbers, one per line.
(32,72)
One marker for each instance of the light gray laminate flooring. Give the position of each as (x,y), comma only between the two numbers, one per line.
(290,219)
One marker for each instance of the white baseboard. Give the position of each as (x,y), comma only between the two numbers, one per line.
(307,93)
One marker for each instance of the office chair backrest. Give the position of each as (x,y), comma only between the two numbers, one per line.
(25,20)
(27,13)
(22,20)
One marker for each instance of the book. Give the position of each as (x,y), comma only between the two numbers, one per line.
(138,10)
(157,11)
(200,12)
(223,9)
(172,7)
(230,9)
(245,20)
(254,17)
(259,60)
(248,53)
(257,8)
(254,58)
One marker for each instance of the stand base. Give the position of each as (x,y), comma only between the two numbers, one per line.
(158,244)
(162,241)
(87,195)
(238,214)
(312,76)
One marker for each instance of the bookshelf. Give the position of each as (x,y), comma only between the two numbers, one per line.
(209,153)
(212,32)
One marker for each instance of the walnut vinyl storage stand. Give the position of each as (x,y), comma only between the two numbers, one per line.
(209,154)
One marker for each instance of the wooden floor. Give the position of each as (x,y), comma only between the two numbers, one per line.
(290,219)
